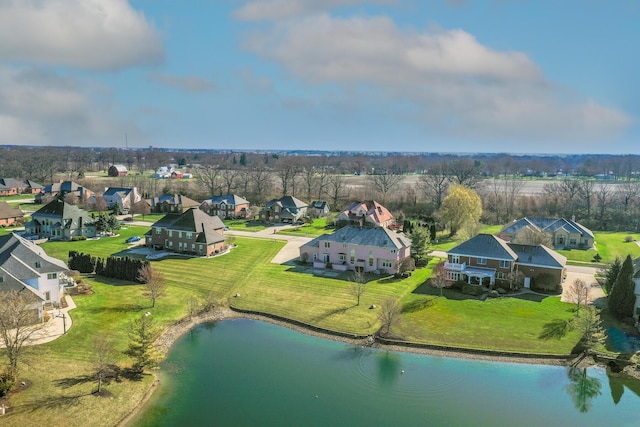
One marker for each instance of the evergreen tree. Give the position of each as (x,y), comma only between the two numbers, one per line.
(419,243)
(612,274)
(622,298)
(143,333)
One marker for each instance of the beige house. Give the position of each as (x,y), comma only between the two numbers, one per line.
(559,233)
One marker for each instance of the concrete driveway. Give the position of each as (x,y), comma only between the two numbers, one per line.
(587,274)
(291,249)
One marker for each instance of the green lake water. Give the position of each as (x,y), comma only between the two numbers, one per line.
(250,373)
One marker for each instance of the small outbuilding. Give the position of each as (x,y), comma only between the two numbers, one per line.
(118,170)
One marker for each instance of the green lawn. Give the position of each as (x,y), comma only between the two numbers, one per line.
(609,245)
(444,242)
(317,228)
(288,291)
(244,225)
(17,197)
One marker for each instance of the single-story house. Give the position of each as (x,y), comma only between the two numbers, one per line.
(191,232)
(487,260)
(9,215)
(561,233)
(368,213)
(374,249)
(11,186)
(228,206)
(284,209)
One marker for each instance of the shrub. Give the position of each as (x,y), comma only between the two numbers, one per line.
(7,383)
(459,284)
(472,290)
(76,238)
(304,257)
(628,239)
(494,294)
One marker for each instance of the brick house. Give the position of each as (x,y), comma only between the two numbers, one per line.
(172,203)
(368,213)
(487,260)
(9,215)
(191,232)
(65,188)
(228,206)
(12,186)
(374,249)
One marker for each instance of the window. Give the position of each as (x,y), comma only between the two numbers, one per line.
(179,234)
(501,275)
(189,235)
(325,257)
(393,251)
(327,244)
(170,233)
(38,264)
(454,275)
(193,247)
(47,296)
(315,257)
(482,261)
(352,256)
(342,257)
(386,263)
(158,230)
(52,276)
(1,279)
(455,259)
(505,264)
(572,242)
(370,258)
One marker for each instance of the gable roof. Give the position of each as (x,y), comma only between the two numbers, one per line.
(548,224)
(6,211)
(229,199)
(485,246)
(16,183)
(538,255)
(174,199)
(287,202)
(60,209)
(378,237)
(120,168)
(374,210)
(195,221)
(111,191)
(319,204)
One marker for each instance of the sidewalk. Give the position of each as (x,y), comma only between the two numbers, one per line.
(56,326)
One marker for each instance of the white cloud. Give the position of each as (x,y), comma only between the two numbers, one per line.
(185,83)
(258,10)
(40,108)
(88,34)
(453,82)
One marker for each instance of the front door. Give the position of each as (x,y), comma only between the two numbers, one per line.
(527,282)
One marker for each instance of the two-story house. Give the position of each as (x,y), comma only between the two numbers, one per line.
(127,197)
(486,260)
(374,249)
(25,265)
(284,209)
(368,213)
(60,220)
(228,206)
(560,233)
(191,232)
(318,209)
(64,189)
(172,203)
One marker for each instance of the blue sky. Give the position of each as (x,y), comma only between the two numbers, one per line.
(400,75)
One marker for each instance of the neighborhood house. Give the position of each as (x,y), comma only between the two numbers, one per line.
(65,189)
(11,186)
(192,232)
(374,250)
(9,215)
(25,266)
(284,209)
(560,233)
(60,220)
(368,213)
(172,203)
(127,197)
(228,206)
(487,260)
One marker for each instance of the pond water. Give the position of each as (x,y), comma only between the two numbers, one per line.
(249,373)
(621,341)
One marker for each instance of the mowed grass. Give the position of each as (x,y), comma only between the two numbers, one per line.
(609,245)
(314,229)
(244,225)
(444,242)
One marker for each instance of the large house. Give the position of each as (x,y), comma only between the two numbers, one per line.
(284,209)
(486,260)
(191,232)
(60,220)
(368,213)
(172,203)
(9,215)
(374,249)
(127,197)
(229,206)
(11,186)
(560,233)
(64,188)
(25,266)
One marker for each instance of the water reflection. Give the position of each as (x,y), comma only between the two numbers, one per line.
(582,388)
(619,385)
(389,368)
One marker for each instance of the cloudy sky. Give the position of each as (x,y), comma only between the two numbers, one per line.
(520,76)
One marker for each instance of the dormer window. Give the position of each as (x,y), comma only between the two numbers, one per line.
(38,264)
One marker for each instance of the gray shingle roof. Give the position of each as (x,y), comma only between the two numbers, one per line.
(229,199)
(548,224)
(287,202)
(485,246)
(378,237)
(6,211)
(60,209)
(114,190)
(538,255)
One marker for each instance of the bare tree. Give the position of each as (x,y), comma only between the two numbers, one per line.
(389,315)
(384,183)
(154,284)
(604,194)
(141,208)
(579,292)
(287,175)
(465,172)
(100,205)
(209,177)
(585,193)
(534,236)
(336,189)
(439,277)
(103,359)
(19,322)
(434,183)
(229,177)
(261,182)
(358,284)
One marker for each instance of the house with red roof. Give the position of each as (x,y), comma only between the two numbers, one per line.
(368,213)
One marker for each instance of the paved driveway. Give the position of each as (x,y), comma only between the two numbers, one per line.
(587,274)
(291,249)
